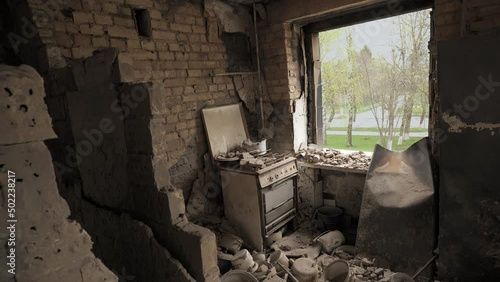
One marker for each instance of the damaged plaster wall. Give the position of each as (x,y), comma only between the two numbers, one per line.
(456,125)
(103,196)
(275,71)
(346,189)
(469,246)
(309,192)
(47,246)
(235,25)
(284,71)
(233,18)
(467,141)
(157,199)
(134,251)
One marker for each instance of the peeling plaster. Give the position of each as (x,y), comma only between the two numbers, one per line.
(246,90)
(233,18)
(456,124)
(300,123)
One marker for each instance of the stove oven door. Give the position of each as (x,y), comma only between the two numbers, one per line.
(278,203)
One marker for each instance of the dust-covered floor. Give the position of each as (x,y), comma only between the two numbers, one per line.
(306,254)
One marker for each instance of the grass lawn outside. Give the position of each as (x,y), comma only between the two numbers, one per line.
(372,129)
(364,143)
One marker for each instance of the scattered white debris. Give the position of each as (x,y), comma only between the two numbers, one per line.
(357,160)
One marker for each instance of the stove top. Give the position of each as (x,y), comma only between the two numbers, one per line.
(248,162)
(228,137)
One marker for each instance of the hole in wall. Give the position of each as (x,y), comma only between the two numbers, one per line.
(68,12)
(36,174)
(31,91)
(8,91)
(8,106)
(33,228)
(33,123)
(142,22)
(23,108)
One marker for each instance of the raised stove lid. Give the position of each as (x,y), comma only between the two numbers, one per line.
(225,127)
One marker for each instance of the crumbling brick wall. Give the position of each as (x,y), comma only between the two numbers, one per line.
(182,51)
(110,164)
(276,51)
(461,18)
(42,244)
(178,55)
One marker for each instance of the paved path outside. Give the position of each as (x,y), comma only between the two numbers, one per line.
(367,119)
(369,133)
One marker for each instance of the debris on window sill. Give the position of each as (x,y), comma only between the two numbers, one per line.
(324,158)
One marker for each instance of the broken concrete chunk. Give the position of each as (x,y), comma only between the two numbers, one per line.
(315,159)
(257,163)
(367,261)
(247,156)
(359,270)
(25,117)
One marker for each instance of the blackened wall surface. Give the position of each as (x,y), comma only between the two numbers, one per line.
(469,86)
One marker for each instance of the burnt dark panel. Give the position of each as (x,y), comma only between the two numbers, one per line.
(469,91)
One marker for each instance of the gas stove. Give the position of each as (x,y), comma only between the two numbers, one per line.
(260,192)
(274,171)
(255,163)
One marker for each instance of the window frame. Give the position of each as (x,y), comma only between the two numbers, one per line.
(342,18)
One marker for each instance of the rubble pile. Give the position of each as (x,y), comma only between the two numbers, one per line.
(356,160)
(326,255)
(365,270)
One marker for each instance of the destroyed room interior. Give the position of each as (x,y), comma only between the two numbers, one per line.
(250,140)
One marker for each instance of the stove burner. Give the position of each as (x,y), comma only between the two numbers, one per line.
(253,163)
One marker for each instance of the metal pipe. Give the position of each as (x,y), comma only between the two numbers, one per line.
(424,267)
(288,272)
(258,65)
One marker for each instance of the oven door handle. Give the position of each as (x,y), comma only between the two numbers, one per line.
(276,184)
(269,227)
(276,207)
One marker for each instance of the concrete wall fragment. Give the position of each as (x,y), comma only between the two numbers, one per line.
(48,246)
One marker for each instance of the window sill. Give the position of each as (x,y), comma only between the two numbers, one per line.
(332,167)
